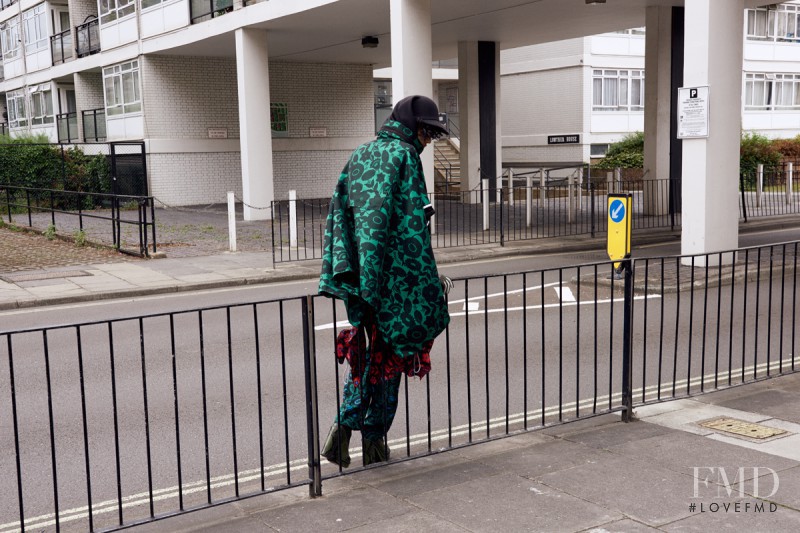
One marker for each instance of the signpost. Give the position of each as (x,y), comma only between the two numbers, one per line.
(619,227)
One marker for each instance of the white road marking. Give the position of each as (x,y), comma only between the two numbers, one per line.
(471,306)
(564,294)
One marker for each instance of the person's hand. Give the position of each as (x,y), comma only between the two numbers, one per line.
(447,284)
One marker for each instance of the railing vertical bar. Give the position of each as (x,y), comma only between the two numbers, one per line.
(284,391)
(176,408)
(541,291)
(28,202)
(769,309)
(112,364)
(703,337)
(336,381)
(466,353)
(691,324)
(730,319)
(781,314)
(744,311)
(408,418)
(611,340)
(486,348)
(677,323)
(505,342)
(644,327)
(661,333)
(87,462)
(595,373)
(560,343)
(54,468)
(233,403)
(259,393)
(578,343)
(449,387)
(18,460)
(719,318)
(794,305)
(312,415)
(428,404)
(525,350)
(146,419)
(758,305)
(205,404)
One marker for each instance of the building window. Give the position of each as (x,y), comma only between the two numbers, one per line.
(34,25)
(15,101)
(121,84)
(764,92)
(41,105)
(9,38)
(111,10)
(598,150)
(774,23)
(618,90)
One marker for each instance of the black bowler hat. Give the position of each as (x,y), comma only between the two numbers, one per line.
(414,111)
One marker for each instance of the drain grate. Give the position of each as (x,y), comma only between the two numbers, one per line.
(37,276)
(742,428)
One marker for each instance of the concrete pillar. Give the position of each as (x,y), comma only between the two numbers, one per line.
(469,114)
(412,58)
(658,44)
(713,44)
(252,73)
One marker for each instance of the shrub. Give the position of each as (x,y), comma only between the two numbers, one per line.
(788,148)
(627,153)
(756,149)
(50,232)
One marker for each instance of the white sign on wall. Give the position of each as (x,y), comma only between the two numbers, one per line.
(692,112)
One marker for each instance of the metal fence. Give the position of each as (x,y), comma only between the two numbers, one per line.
(89,213)
(118,422)
(770,191)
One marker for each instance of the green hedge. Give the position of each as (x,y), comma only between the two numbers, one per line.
(34,163)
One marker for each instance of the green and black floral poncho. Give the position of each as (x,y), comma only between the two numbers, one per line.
(377,256)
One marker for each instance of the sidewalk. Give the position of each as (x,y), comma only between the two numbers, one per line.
(663,472)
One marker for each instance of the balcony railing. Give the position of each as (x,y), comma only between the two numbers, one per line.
(61,47)
(2,73)
(201,10)
(6,3)
(67,125)
(3,128)
(88,37)
(94,125)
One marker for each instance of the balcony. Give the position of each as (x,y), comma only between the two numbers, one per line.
(88,37)
(2,74)
(61,47)
(202,10)
(6,3)
(67,125)
(94,125)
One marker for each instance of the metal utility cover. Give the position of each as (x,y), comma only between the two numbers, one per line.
(742,428)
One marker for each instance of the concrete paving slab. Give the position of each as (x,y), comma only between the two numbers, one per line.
(681,452)
(773,402)
(639,489)
(545,458)
(788,493)
(44,282)
(507,502)
(339,512)
(692,412)
(406,469)
(781,519)
(201,278)
(622,526)
(436,479)
(788,447)
(503,445)
(413,522)
(614,434)
(580,425)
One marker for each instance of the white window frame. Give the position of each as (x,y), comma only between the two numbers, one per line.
(617,88)
(779,23)
(10,38)
(17,116)
(34,25)
(41,105)
(111,10)
(771,91)
(122,89)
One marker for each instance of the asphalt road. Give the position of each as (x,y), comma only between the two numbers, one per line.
(521,349)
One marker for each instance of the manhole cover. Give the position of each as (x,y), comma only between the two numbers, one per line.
(36,276)
(742,428)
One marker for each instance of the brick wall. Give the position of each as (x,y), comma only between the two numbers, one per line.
(317,182)
(194,178)
(184,96)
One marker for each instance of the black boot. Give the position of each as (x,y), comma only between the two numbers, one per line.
(375,451)
(337,445)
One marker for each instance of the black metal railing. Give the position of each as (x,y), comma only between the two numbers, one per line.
(3,128)
(770,191)
(202,10)
(61,47)
(190,409)
(94,125)
(87,37)
(67,127)
(77,210)
(7,3)
(298,228)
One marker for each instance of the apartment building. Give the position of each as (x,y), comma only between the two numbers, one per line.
(591,90)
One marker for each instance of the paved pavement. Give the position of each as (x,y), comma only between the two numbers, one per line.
(663,472)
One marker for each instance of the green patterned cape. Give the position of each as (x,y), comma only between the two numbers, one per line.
(377,256)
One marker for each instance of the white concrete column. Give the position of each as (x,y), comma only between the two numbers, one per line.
(713,44)
(469,114)
(412,57)
(658,44)
(252,73)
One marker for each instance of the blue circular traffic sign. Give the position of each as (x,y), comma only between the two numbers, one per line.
(616,211)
